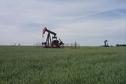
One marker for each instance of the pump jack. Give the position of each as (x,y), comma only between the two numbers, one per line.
(51,40)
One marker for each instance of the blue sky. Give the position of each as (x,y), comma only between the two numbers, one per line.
(89,22)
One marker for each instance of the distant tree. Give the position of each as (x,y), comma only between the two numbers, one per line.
(120,45)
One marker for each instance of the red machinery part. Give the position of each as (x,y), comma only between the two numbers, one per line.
(44,30)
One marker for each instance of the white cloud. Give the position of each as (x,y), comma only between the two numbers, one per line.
(92,29)
(73,20)
(12,34)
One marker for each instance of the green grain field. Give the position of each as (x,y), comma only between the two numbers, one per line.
(84,65)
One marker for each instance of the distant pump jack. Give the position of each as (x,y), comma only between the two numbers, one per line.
(51,40)
(106,43)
